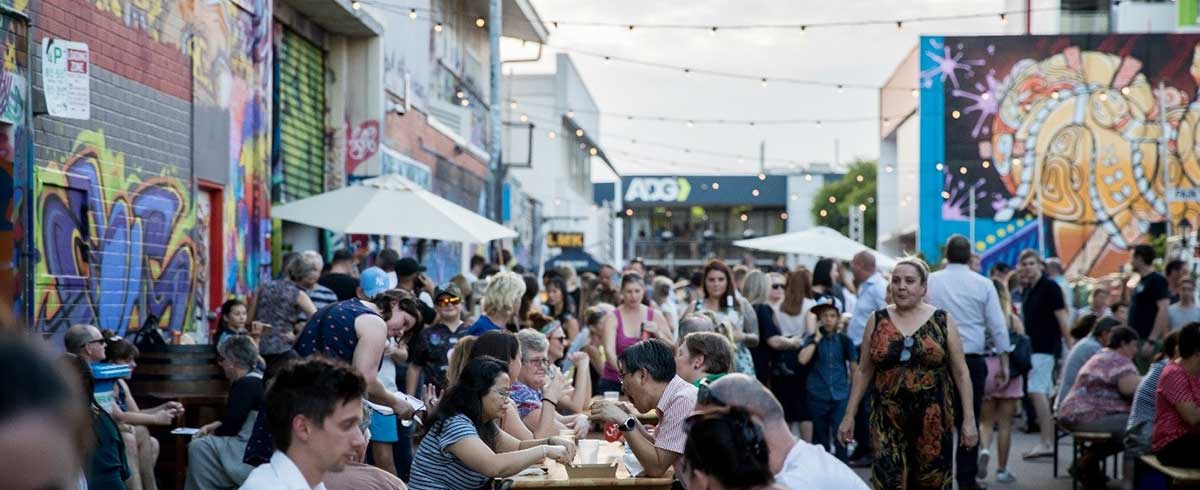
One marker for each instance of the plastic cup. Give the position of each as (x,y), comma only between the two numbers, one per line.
(589,451)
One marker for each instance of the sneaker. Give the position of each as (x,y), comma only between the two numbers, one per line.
(982,471)
(1003,476)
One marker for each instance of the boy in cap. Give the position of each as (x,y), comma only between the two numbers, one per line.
(831,358)
(429,350)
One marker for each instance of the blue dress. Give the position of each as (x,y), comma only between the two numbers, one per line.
(330,332)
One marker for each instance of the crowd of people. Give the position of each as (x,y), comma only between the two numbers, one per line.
(357,375)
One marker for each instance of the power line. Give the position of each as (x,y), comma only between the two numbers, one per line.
(899,22)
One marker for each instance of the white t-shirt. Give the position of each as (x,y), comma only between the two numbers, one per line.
(387,370)
(810,466)
(1179,316)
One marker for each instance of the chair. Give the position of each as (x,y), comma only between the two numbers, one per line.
(1081,441)
(1176,477)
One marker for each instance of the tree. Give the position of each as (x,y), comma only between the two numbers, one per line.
(845,193)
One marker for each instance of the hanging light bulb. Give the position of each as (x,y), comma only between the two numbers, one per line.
(764,81)
(552,135)
(607,59)
(593,151)
(713,31)
(412,14)
(356,5)
(480,22)
(899,26)
(631,28)
(512,105)
(579,133)
(1003,18)
(524,118)
(437,27)
(915,93)
(840,88)
(465,102)
(689,124)
(570,113)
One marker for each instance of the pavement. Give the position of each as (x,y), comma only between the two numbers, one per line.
(1031,474)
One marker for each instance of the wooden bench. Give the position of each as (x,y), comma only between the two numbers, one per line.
(190,375)
(1080,442)
(1176,477)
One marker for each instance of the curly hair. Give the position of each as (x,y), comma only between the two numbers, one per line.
(398,298)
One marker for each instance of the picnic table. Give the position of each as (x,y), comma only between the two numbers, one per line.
(556,475)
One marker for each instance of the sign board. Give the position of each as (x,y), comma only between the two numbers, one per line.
(703,190)
(66,70)
(564,239)
(1175,194)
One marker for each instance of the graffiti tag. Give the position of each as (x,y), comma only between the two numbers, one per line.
(362,143)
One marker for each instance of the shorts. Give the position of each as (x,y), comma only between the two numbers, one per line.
(993,390)
(383,428)
(1041,377)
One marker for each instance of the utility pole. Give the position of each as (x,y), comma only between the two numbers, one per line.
(495,126)
(762,157)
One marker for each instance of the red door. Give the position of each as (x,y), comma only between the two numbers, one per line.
(211,242)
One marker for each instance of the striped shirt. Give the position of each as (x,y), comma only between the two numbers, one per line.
(677,402)
(321,296)
(1144,398)
(435,468)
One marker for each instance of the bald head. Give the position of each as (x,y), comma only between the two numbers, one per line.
(745,392)
(863,266)
(85,341)
(694,322)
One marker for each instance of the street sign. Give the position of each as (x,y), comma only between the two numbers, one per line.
(564,239)
(66,70)
(1175,194)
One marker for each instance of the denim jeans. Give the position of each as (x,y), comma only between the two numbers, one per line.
(826,416)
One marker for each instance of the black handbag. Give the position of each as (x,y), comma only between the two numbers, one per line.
(1020,360)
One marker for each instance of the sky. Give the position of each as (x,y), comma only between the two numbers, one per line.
(849,55)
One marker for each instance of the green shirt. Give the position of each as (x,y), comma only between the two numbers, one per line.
(708,379)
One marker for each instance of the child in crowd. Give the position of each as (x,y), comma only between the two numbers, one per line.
(233,321)
(831,358)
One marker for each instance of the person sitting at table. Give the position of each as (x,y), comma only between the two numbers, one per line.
(797,464)
(726,450)
(140,446)
(703,357)
(502,345)
(540,383)
(105,466)
(461,446)
(647,374)
(1176,438)
(215,453)
(1099,402)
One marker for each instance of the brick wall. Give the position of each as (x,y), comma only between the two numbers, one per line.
(114,216)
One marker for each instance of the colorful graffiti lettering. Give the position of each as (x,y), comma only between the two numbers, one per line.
(1073,126)
(116,244)
(362,143)
(144,15)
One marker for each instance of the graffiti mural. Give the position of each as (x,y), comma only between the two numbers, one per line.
(143,15)
(1077,127)
(116,243)
(13,157)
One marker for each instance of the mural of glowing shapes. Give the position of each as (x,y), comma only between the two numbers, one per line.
(117,247)
(984,104)
(947,67)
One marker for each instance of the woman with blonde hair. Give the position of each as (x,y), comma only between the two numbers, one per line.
(501,302)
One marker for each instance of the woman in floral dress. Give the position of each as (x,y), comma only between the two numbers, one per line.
(912,359)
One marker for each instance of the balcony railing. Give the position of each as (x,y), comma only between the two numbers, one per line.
(692,253)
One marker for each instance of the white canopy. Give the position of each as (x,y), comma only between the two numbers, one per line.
(818,241)
(392,205)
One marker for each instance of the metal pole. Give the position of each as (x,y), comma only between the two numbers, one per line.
(1163,160)
(1037,175)
(762,156)
(495,26)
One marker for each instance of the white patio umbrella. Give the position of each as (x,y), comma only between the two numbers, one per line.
(818,241)
(392,205)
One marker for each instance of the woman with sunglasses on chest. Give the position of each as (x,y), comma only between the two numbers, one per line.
(912,360)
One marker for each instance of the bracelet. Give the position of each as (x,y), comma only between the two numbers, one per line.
(552,402)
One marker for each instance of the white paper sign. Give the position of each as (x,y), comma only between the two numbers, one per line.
(1183,195)
(66,70)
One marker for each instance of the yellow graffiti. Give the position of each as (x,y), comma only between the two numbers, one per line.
(10,58)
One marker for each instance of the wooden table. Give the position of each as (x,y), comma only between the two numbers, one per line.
(557,475)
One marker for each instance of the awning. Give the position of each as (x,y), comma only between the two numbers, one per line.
(817,242)
(521,20)
(392,205)
(577,258)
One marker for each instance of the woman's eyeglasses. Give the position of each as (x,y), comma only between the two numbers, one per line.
(779,286)
(502,393)
(906,353)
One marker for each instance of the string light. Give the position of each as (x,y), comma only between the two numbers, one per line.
(437,27)
(465,102)
(713,32)
(716,186)
(1003,18)
(355,5)
(761,176)
(783,216)
(899,25)
(764,81)
(754,193)
(862,207)
(480,22)
(832,199)
(552,135)
(579,133)
(898,22)
(512,105)
(524,118)
(955,114)
(662,118)
(412,14)
(824,213)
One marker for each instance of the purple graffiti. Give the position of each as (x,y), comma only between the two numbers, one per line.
(986,102)
(947,66)
(114,261)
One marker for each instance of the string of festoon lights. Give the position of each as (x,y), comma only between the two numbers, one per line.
(515,104)
(438,17)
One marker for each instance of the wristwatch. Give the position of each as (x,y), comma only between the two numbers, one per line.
(628,425)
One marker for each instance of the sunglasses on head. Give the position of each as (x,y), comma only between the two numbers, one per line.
(906,353)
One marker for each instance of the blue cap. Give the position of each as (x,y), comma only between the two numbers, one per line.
(373,281)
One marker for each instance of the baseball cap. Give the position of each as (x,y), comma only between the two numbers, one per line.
(408,266)
(373,281)
(448,289)
(826,301)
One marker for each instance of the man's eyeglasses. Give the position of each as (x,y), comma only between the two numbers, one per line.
(536,362)
(96,341)
(705,396)
(779,286)
(906,354)
(448,301)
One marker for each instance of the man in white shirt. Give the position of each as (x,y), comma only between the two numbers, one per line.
(314,412)
(797,464)
(972,301)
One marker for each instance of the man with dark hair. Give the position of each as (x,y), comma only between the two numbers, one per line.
(342,275)
(1175,273)
(648,377)
(608,274)
(387,259)
(1148,307)
(476,268)
(314,409)
(972,301)
(1045,315)
(1083,350)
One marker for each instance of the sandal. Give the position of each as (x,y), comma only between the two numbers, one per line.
(1034,453)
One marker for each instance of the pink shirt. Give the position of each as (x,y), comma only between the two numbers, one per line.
(1095,393)
(1175,386)
(677,402)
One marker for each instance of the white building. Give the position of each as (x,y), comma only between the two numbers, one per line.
(551,136)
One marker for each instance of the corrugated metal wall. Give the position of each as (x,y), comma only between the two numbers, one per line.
(301,101)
